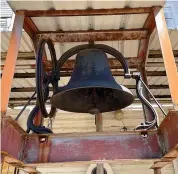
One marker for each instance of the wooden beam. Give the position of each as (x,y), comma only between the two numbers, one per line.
(167,131)
(9,68)
(22,101)
(26,99)
(144,43)
(31,56)
(30,27)
(69,73)
(168,57)
(85,12)
(158,53)
(32,89)
(94,35)
(68,66)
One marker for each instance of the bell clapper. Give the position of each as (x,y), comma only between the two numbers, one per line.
(95,110)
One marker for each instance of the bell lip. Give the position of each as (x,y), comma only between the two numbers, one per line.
(127,91)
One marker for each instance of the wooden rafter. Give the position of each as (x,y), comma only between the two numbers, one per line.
(67,74)
(32,89)
(31,56)
(144,43)
(85,12)
(30,27)
(94,35)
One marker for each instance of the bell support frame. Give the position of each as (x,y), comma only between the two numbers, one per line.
(166,134)
(103,146)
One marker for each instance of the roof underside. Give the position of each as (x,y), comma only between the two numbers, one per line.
(84,4)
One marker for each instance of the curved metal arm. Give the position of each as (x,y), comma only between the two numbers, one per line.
(37,129)
(148,124)
(105,48)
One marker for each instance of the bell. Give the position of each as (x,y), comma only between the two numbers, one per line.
(92,88)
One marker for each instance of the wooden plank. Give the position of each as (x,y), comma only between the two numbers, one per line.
(88,148)
(94,35)
(12,138)
(168,56)
(85,12)
(168,131)
(30,27)
(68,66)
(32,89)
(67,74)
(9,68)
(144,43)
(31,56)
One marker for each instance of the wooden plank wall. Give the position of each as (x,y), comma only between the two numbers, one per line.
(73,122)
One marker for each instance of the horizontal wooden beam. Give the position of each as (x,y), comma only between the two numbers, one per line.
(31,56)
(26,99)
(33,102)
(69,65)
(32,89)
(84,12)
(69,73)
(60,148)
(94,35)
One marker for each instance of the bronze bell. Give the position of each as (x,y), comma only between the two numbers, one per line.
(92,88)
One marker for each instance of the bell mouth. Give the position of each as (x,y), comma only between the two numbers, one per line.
(92,99)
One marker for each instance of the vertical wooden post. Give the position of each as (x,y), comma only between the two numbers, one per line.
(99,122)
(99,128)
(168,57)
(9,68)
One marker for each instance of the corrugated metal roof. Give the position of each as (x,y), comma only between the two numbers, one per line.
(6,16)
(155,44)
(6,11)
(25,43)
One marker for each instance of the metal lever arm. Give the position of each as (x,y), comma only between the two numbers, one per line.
(139,90)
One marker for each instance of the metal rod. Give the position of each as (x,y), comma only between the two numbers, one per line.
(159,105)
(25,106)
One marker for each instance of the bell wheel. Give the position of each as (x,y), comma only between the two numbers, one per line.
(45,78)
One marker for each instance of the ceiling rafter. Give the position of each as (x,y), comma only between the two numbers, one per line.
(84,12)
